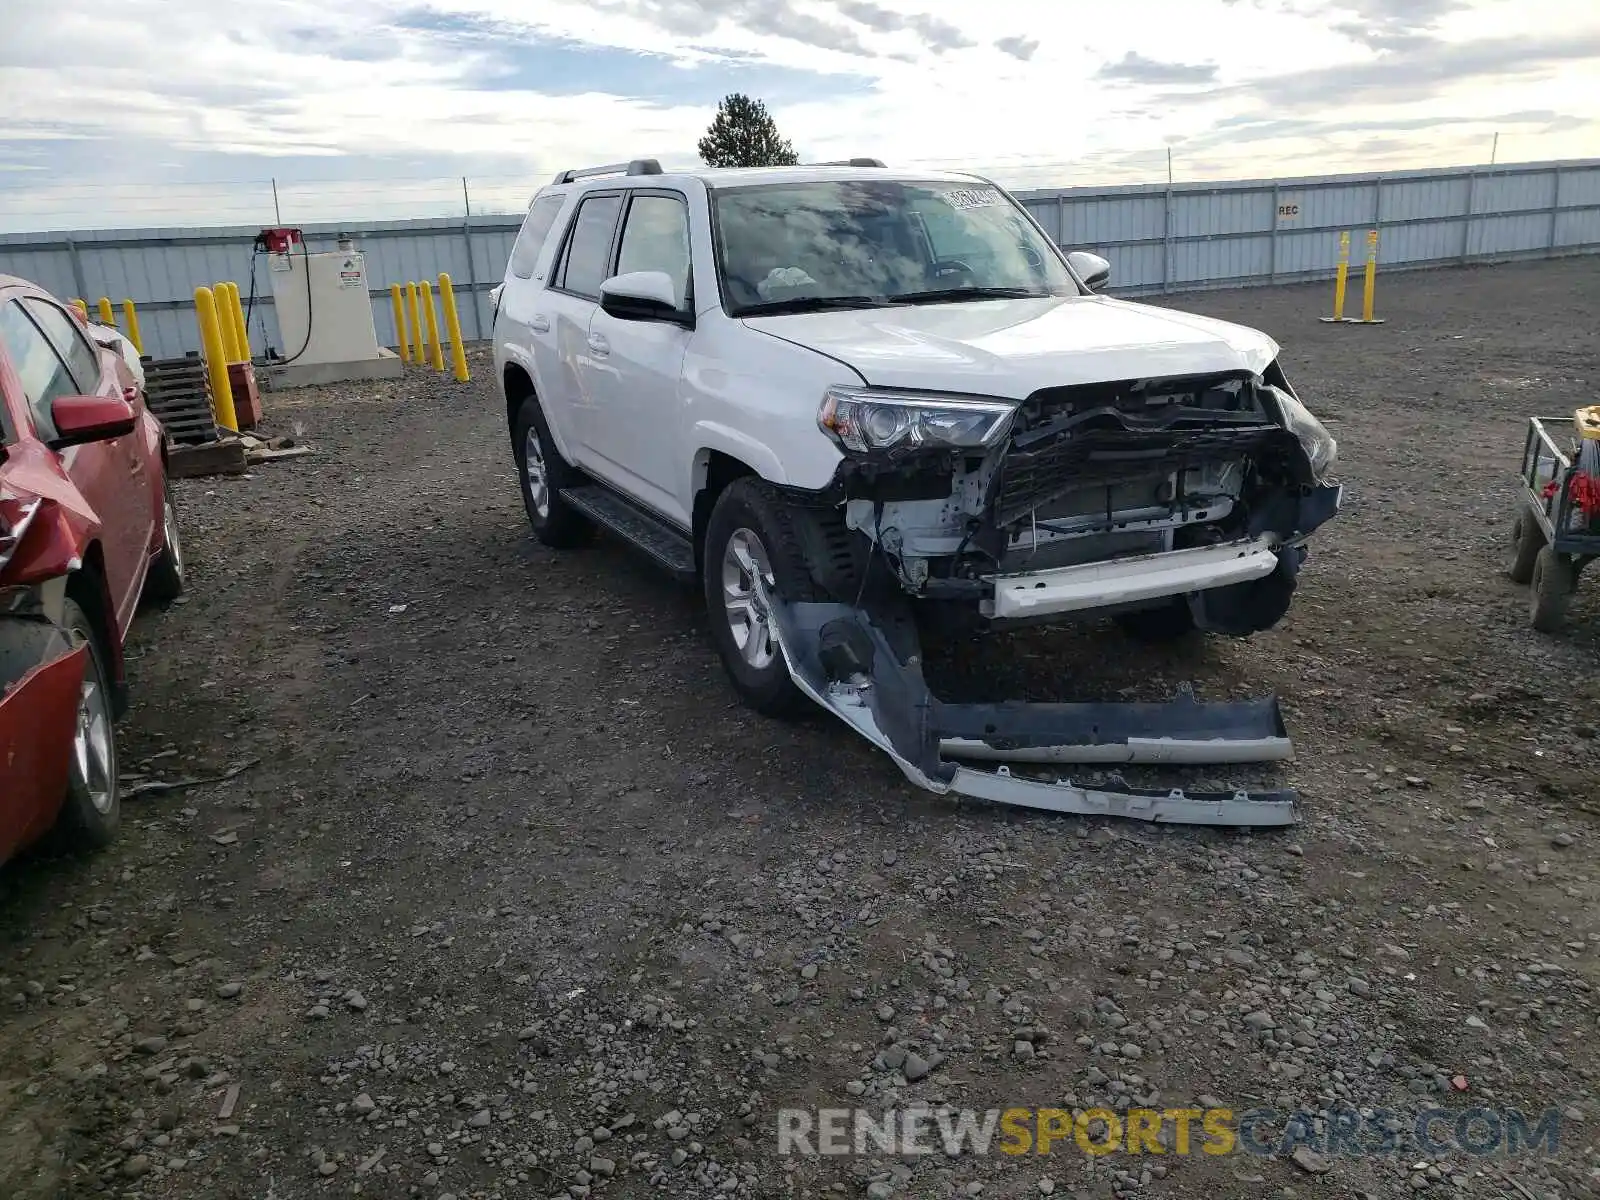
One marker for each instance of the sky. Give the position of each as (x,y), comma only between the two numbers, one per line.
(174,112)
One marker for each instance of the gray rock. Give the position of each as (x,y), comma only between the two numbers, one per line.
(150,1045)
(479,1119)
(916,1067)
(885,1012)
(136,1167)
(1310,1161)
(229,991)
(364,1104)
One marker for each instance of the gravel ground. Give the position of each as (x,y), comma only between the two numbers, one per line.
(513,899)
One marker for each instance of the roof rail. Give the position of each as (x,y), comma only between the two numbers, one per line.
(639,166)
(854,162)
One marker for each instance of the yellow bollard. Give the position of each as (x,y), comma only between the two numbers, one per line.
(1340,279)
(1370,285)
(225,326)
(83,309)
(414,320)
(241,330)
(205,311)
(130,318)
(430,318)
(452,327)
(403,343)
(107,317)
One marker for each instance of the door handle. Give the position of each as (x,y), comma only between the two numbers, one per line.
(598,346)
(539,323)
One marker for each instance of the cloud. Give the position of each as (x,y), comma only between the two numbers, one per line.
(775,18)
(1416,74)
(1020,48)
(935,34)
(376,108)
(1134,67)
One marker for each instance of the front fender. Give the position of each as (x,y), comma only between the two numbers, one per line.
(709,436)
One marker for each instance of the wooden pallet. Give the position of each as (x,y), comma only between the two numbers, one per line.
(178,392)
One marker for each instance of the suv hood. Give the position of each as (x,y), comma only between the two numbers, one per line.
(1012,348)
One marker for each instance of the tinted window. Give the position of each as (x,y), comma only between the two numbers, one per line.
(44,376)
(525,254)
(655,237)
(590,245)
(83,360)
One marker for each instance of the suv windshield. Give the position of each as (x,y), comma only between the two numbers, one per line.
(865,243)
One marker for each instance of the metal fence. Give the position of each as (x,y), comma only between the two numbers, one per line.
(1174,237)
(1181,237)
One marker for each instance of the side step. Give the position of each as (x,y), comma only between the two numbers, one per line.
(662,542)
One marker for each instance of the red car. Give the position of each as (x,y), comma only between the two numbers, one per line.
(86,529)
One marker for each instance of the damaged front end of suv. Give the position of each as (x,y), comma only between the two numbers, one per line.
(1167,503)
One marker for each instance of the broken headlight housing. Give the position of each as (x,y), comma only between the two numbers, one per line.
(1321,447)
(868,421)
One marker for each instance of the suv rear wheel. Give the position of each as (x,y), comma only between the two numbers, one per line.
(544,473)
(753,555)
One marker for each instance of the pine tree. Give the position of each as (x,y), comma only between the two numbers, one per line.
(743,134)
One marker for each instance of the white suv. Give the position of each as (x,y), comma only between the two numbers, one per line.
(816,384)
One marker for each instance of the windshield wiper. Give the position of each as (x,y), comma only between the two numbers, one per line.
(942,295)
(802,304)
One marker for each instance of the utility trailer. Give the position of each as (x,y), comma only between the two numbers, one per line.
(1556,531)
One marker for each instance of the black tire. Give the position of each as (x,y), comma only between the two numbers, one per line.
(1527,539)
(1172,622)
(165,581)
(1553,584)
(749,508)
(92,811)
(555,522)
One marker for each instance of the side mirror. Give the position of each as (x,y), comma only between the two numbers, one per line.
(83,419)
(642,296)
(1091,268)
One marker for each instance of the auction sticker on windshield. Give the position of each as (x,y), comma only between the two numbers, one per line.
(971,197)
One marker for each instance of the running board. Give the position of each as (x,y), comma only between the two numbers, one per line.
(666,545)
(867,671)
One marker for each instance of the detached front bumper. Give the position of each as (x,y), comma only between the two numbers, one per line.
(1131,580)
(41,673)
(866,670)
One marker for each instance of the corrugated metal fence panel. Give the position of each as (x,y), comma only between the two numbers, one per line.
(1158,238)
(1580,186)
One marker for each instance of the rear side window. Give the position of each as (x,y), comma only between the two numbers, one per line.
(83,360)
(44,376)
(589,247)
(525,254)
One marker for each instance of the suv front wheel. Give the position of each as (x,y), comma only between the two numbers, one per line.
(543,473)
(752,555)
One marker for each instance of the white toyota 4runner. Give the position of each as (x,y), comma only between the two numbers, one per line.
(792,383)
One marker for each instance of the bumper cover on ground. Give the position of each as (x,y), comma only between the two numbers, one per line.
(866,670)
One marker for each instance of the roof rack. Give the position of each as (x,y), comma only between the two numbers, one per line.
(639,166)
(854,162)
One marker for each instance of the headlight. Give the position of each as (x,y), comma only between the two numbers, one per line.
(1321,448)
(866,421)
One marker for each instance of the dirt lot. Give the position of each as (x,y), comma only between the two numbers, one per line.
(514,900)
